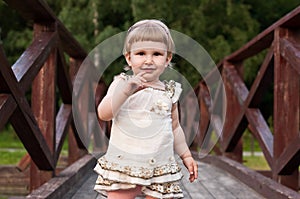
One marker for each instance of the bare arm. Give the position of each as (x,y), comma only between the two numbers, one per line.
(181,147)
(118,92)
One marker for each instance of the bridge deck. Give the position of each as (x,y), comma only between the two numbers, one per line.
(213,183)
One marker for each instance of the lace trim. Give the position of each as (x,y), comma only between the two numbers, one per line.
(141,172)
(165,188)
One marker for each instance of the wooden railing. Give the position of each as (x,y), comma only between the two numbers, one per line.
(42,70)
(280,72)
(43,67)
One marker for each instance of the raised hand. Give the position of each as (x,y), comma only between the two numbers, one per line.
(134,83)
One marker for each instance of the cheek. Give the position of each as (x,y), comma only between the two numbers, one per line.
(160,62)
(136,60)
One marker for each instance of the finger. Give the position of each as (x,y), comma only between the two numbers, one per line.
(191,171)
(142,77)
(192,178)
(140,74)
(195,170)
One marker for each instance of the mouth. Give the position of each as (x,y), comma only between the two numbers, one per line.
(148,70)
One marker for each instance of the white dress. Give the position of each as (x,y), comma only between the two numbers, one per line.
(141,146)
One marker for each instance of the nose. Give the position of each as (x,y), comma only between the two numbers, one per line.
(148,59)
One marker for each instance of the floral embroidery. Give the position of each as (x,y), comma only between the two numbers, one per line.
(170,87)
(141,172)
(166,188)
(160,107)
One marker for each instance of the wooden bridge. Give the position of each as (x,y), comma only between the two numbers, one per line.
(52,61)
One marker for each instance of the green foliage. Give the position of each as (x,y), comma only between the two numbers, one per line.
(220,26)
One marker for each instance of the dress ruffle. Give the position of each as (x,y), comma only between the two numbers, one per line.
(159,182)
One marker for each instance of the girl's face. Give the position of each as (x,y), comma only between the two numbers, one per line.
(148,57)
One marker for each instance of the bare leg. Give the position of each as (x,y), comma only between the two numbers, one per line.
(124,194)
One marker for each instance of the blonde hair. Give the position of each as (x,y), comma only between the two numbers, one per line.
(149,30)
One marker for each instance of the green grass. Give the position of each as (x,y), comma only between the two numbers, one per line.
(11,157)
(9,139)
(256,162)
(11,148)
(249,142)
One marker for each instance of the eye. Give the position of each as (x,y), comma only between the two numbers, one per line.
(140,53)
(158,54)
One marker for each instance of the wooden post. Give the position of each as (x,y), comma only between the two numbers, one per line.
(286,107)
(233,110)
(75,150)
(204,106)
(43,106)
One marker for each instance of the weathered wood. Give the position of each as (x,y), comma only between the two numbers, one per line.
(63,120)
(7,105)
(24,163)
(264,39)
(286,106)
(234,128)
(12,180)
(290,51)
(58,186)
(23,120)
(205,104)
(212,183)
(33,58)
(262,133)
(43,103)
(261,184)
(289,160)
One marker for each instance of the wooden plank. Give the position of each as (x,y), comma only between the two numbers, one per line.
(33,58)
(83,189)
(238,86)
(265,38)
(289,160)
(213,183)
(262,133)
(286,106)
(24,163)
(13,181)
(236,94)
(58,186)
(23,120)
(205,105)
(7,106)
(63,120)
(290,51)
(261,184)
(43,104)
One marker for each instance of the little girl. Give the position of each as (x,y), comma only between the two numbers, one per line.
(145,129)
